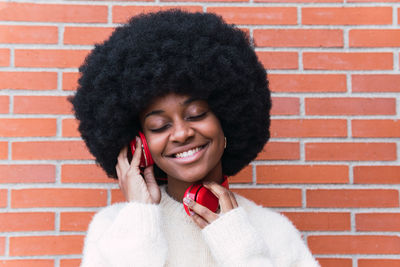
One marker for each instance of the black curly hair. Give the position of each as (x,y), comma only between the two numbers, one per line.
(154,54)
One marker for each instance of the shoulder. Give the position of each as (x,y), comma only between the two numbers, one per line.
(283,240)
(263,216)
(103,219)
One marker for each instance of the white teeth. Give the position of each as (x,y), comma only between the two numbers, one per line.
(187,153)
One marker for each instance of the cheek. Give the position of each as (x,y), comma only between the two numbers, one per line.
(215,129)
(155,144)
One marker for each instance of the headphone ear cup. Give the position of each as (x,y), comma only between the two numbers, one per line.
(146,156)
(203,196)
(207,199)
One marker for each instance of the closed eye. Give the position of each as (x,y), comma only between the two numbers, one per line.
(197,117)
(158,130)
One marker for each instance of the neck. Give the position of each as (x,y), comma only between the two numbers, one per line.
(176,187)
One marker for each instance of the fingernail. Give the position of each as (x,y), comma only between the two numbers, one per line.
(191,213)
(137,139)
(188,201)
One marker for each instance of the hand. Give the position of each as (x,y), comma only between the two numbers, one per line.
(131,183)
(202,216)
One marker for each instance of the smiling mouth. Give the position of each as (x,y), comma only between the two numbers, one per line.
(188,153)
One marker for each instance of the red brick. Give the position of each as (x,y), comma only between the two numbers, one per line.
(2,245)
(53,13)
(299,1)
(72,262)
(86,35)
(35,104)
(378,222)
(302,174)
(377,175)
(84,173)
(28,80)
(350,106)
(257,15)
(3,150)
(320,221)
(4,104)
(30,263)
(13,34)
(46,58)
(378,262)
(280,151)
(75,221)
(121,14)
(26,221)
(349,244)
(50,150)
(308,83)
(346,15)
(298,37)
(244,176)
(16,173)
(334,262)
(375,83)
(207,1)
(70,128)
(374,38)
(279,60)
(350,151)
(375,128)
(348,61)
(352,198)
(3,199)
(285,106)
(70,81)
(272,197)
(28,127)
(308,128)
(117,196)
(58,197)
(4,56)
(46,245)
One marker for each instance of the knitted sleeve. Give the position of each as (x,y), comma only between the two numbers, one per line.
(234,241)
(132,237)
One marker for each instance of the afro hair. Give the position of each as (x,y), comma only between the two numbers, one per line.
(173,51)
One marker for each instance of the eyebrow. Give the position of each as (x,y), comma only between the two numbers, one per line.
(159,111)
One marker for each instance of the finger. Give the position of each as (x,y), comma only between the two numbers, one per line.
(137,155)
(199,220)
(233,199)
(119,176)
(151,183)
(204,212)
(118,170)
(149,175)
(123,159)
(222,194)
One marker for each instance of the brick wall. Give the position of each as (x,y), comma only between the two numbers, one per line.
(332,165)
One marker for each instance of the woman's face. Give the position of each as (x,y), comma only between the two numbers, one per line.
(184,136)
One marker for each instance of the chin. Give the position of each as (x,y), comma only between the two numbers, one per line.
(195,174)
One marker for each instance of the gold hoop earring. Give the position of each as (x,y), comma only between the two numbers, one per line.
(225,142)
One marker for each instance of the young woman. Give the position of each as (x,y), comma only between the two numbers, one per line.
(192,87)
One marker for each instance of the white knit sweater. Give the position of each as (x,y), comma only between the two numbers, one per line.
(136,234)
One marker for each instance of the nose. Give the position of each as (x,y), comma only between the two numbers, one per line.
(181,132)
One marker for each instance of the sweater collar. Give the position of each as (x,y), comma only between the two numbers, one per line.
(172,207)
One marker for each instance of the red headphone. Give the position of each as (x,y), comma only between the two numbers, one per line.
(197,192)
(203,196)
(146,159)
